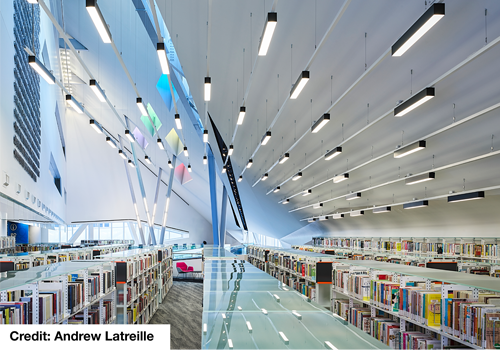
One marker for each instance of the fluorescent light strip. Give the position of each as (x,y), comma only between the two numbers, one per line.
(264,311)
(205,328)
(466,197)
(317,205)
(131,163)
(265,138)
(186,153)
(95,126)
(381,210)
(33,2)
(414,205)
(97,90)
(420,178)
(333,153)
(340,178)
(276,189)
(337,216)
(296,314)
(129,136)
(307,193)
(241,116)
(121,154)
(283,336)
(41,70)
(223,315)
(272,20)
(330,345)
(250,163)
(355,213)
(162,57)
(223,169)
(276,297)
(208,88)
(353,196)
(299,84)
(229,343)
(264,177)
(170,165)
(205,160)
(249,326)
(239,308)
(231,150)
(323,218)
(409,149)
(414,101)
(160,144)
(320,123)
(240,178)
(110,142)
(189,168)
(297,176)
(178,123)
(148,160)
(418,29)
(311,220)
(98,19)
(284,158)
(74,103)
(205,136)
(141,107)
(286,201)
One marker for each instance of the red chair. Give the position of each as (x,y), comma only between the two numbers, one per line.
(183,268)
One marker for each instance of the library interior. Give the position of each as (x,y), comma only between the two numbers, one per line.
(134,193)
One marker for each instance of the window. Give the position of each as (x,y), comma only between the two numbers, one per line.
(104,231)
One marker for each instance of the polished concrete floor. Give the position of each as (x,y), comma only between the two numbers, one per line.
(182,309)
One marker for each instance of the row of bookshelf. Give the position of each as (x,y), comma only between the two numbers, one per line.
(466,247)
(407,306)
(7,243)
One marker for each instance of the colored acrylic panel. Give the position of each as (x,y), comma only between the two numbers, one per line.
(174,142)
(182,174)
(139,137)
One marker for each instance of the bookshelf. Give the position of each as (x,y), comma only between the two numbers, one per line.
(407,301)
(58,294)
(7,244)
(143,279)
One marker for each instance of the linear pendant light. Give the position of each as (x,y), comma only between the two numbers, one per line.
(231,150)
(229,343)
(41,69)
(240,178)
(267,35)
(337,216)
(418,29)
(284,338)
(333,153)
(223,169)
(317,205)
(189,168)
(286,201)
(466,197)
(265,138)
(33,2)
(299,84)
(414,101)
(241,116)
(276,189)
(311,220)
(324,218)
(147,159)
(178,123)
(74,103)
(418,204)
(110,142)
(170,165)
(205,160)
(411,148)
(97,90)
(355,213)
(121,154)
(329,345)
(320,123)
(381,210)
(264,177)
(160,144)
(284,158)
(141,107)
(340,178)
(129,136)
(297,176)
(95,126)
(306,193)
(208,88)
(98,19)
(250,163)
(162,56)
(420,178)
(205,136)
(131,163)
(352,196)
(186,153)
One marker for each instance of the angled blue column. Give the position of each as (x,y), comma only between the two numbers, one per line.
(213,194)
(167,203)
(222,232)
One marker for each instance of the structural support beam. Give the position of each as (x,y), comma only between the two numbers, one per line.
(77,233)
(157,192)
(213,195)
(132,231)
(167,204)
(222,232)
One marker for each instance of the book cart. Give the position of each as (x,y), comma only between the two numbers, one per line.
(143,279)
(411,307)
(60,293)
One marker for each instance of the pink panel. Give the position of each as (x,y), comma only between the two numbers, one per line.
(182,174)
